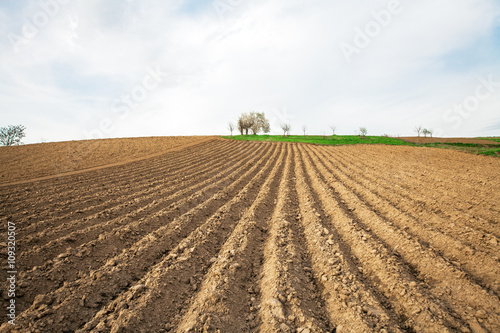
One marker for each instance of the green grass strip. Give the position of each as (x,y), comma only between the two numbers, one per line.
(335,140)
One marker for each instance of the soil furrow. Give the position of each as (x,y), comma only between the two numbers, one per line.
(121,205)
(469,170)
(233,236)
(410,301)
(91,194)
(221,303)
(94,291)
(349,304)
(68,202)
(155,209)
(92,246)
(56,160)
(63,186)
(290,299)
(481,267)
(137,209)
(97,171)
(441,278)
(438,203)
(429,184)
(430,212)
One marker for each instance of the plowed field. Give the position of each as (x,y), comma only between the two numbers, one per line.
(237,236)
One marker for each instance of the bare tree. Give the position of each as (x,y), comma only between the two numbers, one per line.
(12,135)
(304,128)
(230,127)
(362,132)
(418,129)
(286,129)
(333,128)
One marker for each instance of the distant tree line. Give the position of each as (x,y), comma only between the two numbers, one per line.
(256,123)
(419,130)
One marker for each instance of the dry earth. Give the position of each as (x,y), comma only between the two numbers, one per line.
(48,159)
(261,237)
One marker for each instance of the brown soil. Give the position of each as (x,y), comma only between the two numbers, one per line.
(415,139)
(260,237)
(45,159)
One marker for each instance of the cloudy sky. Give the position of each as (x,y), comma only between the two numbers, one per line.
(75,69)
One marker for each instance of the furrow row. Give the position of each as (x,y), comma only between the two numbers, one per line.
(430,183)
(482,266)
(136,201)
(94,245)
(69,201)
(235,260)
(102,285)
(290,298)
(431,197)
(167,203)
(228,236)
(470,173)
(60,185)
(427,211)
(350,304)
(438,299)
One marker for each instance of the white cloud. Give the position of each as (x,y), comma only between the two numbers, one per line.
(269,56)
